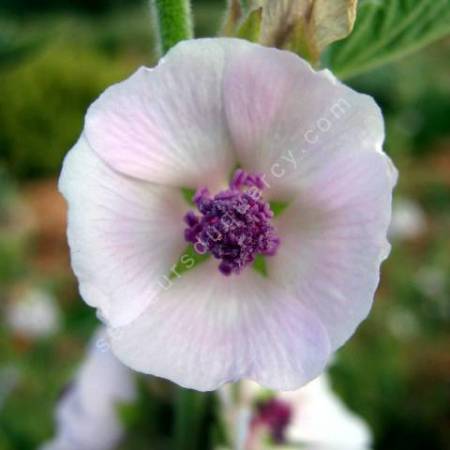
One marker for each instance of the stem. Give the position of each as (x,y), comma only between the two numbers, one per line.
(174,22)
(241,417)
(191,409)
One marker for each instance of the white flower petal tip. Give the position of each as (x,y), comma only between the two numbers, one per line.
(86,415)
(210,106)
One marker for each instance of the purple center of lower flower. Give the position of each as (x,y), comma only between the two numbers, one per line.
(276,415)
(234,225)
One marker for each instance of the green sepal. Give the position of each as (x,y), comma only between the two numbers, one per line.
(250,29)
(187,261)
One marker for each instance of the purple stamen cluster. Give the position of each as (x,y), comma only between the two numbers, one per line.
(276,415)
(234,225)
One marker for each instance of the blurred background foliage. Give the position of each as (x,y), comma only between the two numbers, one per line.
(56,57)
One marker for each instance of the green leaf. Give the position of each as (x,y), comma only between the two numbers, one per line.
(251,27)
(387,30)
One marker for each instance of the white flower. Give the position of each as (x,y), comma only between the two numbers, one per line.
(33,314)
(408,220)
(322,421)
(302,138)
(312,417)
(87,413)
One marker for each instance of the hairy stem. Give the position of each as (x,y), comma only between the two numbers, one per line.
(174,22)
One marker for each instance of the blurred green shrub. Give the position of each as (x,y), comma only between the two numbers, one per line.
(415,103)
(43,102)
(15,45)
(15,220)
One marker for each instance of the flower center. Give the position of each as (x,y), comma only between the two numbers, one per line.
(276,415)
(234,225)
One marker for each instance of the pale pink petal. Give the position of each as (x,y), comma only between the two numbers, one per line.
(167,124)
(334,239)
(320,142)
(101,366)
(124,234)
(207,329)
(283,115)
(87,414)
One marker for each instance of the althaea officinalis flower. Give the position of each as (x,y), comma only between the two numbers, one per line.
(246,127)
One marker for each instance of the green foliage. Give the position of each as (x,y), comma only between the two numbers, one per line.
(44,369)
(387,30)
(43,103)
(12,253)
(208,16)
(14,46)
(14,237)
(415,104)
(191,409)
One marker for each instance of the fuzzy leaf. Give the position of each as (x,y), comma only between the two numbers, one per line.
(387,30)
